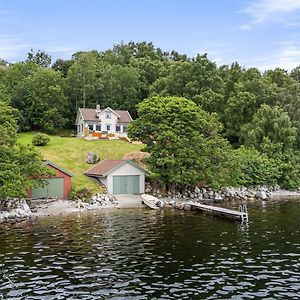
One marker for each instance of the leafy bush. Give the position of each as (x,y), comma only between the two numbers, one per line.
(255,168)
(81,193)
(40,139)
(289,165)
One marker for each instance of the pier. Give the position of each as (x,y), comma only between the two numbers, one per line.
(241,214)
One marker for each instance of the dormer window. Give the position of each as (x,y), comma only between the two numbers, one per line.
(108,115)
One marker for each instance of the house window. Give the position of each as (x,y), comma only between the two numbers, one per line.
(108,127)
(90,127)
(124,128)
(107,115)
(98,127)
(81,127)
(118,128)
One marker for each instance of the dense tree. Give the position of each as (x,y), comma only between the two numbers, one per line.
(270,130)
(118,87)
(295,74)
(239,111)
(40,100)
(256,109)
(40,57)
(81,78)
(63,66)
(183,141)
(18,164)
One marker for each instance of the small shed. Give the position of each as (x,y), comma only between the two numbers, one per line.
(119,176)
(57,186)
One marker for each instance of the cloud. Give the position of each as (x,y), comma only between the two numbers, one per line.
(11,45)
(263,11)
(14,47)
(62,50)
(287,57)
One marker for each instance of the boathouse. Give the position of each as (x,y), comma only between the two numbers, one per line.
(119,176)
(57,186)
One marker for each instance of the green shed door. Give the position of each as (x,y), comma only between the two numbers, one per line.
(129,184)
(54,188)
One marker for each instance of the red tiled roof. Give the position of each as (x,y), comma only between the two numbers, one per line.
(103,167)
(89,114)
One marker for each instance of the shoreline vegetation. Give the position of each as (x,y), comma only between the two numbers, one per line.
(203,125)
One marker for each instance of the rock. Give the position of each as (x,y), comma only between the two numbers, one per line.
(261,195)
(92,158)
(187,207)
(218,198)
(197,190)
(24,206)
(14,210)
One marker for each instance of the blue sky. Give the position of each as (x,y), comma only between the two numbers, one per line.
(259,33)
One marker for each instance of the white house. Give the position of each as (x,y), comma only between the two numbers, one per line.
(107,121)
(119,176)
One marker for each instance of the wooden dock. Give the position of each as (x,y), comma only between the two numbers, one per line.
(149,201)
(241,214)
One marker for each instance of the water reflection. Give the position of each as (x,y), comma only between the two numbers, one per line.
(141,254)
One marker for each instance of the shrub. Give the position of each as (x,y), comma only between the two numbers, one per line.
(289,165)
(255,168)
(81,193)
(40,139)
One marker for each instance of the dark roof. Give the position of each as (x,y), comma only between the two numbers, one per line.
(106,166)
(50,163)
(90,114)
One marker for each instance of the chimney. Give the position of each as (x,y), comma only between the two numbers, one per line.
(98,108)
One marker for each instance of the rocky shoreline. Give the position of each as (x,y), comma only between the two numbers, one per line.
(209,195)
(14,210)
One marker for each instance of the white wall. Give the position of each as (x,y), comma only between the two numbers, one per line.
(126,169)
(103,180)
(112,122)
(80,132)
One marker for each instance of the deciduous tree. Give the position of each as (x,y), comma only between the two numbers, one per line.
(183,141)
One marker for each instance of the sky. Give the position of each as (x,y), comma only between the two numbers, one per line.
(256,33)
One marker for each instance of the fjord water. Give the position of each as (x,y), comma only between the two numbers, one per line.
(143,254)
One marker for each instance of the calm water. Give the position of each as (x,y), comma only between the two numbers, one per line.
(142,254)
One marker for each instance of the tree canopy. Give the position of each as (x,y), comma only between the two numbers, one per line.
(18,164)
(254,109)
(183,140)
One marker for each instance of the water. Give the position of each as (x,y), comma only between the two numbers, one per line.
(143,254)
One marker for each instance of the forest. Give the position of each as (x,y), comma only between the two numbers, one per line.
(254,116)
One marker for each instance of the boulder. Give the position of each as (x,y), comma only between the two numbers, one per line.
(197,190)
(92,158)
(261,195)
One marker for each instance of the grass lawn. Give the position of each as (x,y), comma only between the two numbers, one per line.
(70,153)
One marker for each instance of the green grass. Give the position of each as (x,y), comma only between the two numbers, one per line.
(70,153)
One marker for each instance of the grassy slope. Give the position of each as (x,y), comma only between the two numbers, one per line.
(70,153)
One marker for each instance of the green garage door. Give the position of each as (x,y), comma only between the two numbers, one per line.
(54,188)
(129,184)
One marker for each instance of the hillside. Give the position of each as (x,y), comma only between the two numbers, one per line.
(70,153)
